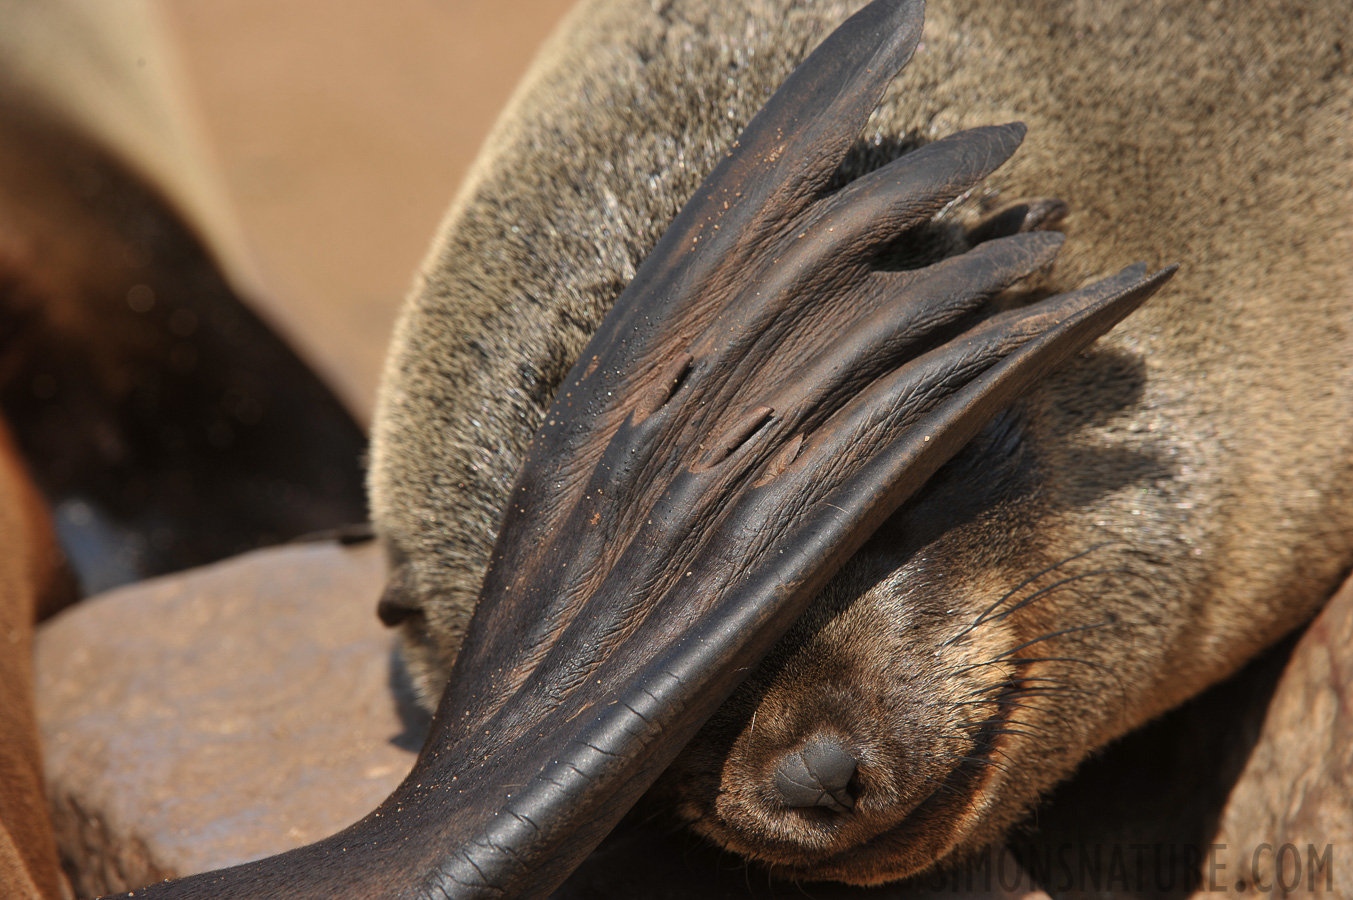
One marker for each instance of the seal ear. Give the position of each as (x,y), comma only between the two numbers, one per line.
(759,400)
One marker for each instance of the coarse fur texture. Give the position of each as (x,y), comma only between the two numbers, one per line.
(1135,529)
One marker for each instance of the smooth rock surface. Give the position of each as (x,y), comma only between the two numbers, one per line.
(204,719)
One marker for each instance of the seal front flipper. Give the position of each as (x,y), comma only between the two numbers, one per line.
(759,400)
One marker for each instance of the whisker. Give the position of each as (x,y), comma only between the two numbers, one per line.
(1058,687)
(1020,732)
(982,617)
(984,762)
(999,702)
(1043,592)
(1064,631)
(1024,661)
(997,721)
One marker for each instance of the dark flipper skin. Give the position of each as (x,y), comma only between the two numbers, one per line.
(759,400)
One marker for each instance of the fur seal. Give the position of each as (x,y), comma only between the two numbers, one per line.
(33,583)
(793,360)
(138,384)
(1143,522)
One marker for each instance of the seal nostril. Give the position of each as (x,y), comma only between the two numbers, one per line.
(820,773)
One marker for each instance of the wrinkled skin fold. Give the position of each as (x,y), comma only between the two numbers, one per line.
(761,398)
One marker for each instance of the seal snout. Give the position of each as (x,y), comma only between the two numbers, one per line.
(820,773)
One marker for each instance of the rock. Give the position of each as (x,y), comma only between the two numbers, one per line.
(235,711)
(1293,803)
(223,714)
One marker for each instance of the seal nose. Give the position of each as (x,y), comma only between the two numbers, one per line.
(817,774)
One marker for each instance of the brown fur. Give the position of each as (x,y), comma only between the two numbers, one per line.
(1138,527)
(30,583)
(137,383)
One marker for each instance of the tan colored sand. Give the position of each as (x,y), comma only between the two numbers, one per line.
(342,130)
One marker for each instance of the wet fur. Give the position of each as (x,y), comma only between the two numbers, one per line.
(1144,522)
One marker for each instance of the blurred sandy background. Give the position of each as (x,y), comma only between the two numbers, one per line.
(342,131)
